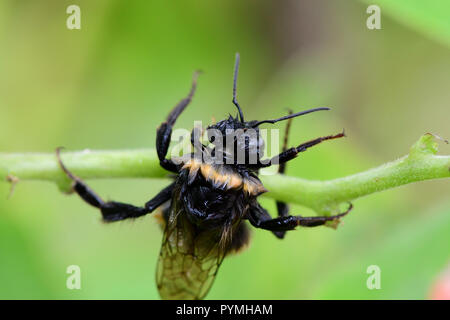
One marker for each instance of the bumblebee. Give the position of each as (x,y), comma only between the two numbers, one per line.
(205,208)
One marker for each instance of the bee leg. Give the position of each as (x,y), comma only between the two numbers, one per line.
(282,207)
(114,211)
(258,214)
(164,131)
(291,222)
(292,153)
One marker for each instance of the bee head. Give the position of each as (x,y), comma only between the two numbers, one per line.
(240,140)
(236,139)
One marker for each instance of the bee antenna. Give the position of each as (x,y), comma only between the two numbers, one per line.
(236,71)
(293,115)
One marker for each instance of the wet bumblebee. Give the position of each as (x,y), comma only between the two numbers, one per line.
(206,207)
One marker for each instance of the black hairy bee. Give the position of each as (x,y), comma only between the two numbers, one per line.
(214,192)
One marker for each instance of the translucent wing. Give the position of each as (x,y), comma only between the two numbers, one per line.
(189,258)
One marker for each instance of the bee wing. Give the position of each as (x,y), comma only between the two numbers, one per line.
(189,259)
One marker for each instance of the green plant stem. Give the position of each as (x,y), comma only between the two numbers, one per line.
(324,197)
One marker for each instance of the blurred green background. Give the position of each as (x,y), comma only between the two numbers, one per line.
(110,84)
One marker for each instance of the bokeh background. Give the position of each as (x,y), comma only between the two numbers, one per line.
(110,84)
